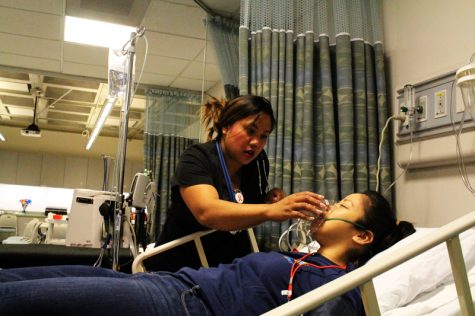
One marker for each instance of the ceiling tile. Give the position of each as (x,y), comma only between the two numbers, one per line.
(70,107)
(20,111)
(18,101)
(171,45)
(156,79)
(74,95)
(45,6)
(163,65)
(210,55)
(44,48)
(67,117)
(76,83)
(174,18)
(195,71)
(85,54)
(30,23)
(228,8)
(31,39)
(125,12)
(27,62)
(191,84)
(85,70)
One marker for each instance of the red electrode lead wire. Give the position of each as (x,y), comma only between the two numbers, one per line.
(299,263)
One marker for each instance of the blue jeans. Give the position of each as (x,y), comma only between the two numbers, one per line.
(83,290)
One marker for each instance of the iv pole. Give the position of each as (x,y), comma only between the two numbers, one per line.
(119,210)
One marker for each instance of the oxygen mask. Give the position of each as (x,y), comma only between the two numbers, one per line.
(312,226)
(299,234)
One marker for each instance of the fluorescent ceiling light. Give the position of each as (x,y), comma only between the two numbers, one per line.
(96,33)
(2,138)
(100,122)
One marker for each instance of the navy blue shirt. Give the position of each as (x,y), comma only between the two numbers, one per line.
(253,284)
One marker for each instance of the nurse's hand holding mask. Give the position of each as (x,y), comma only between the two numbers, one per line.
(303,205)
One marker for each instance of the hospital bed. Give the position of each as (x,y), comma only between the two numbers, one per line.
(431,272)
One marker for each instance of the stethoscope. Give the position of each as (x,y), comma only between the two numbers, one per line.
(235,195)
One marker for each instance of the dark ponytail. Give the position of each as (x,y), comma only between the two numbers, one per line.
(216,114)
(381,220)
(210,112)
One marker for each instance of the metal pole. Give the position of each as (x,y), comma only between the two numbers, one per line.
(124,119)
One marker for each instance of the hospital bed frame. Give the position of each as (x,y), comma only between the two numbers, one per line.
(137,265)
(362,277)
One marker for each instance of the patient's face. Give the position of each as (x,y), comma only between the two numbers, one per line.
(351,208)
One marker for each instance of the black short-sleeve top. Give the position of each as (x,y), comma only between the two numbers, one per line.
(199,164)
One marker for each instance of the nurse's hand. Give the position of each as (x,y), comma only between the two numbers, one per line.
(303,205)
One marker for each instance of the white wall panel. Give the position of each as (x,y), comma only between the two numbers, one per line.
(95,174)
(75,174)
(29,169)
(52,171)
(8,166)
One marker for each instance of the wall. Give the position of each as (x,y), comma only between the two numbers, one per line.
(425,39)
(33,167)
(10,196)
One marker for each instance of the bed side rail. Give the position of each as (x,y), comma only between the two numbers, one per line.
(363,276)
(137,264)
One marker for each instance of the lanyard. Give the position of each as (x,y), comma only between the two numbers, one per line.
(225,172)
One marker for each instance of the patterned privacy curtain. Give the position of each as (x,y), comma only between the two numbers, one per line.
(225,39)
(321,64)
(172,125)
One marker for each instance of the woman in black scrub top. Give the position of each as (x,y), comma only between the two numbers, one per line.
(222,184)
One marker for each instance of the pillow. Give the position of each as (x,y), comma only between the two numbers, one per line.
(400,285)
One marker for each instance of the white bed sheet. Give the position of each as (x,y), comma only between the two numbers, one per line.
(424,285)
(442,301)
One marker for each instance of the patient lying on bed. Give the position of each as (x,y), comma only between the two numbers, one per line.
(361,226)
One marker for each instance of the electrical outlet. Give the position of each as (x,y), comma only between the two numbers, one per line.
(421,109)
(440,103)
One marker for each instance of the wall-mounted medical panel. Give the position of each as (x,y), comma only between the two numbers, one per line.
(438,106)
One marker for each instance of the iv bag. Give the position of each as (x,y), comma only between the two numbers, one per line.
(117,72)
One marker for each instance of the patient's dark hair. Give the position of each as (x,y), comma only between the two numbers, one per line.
(216,114)
(381,220)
